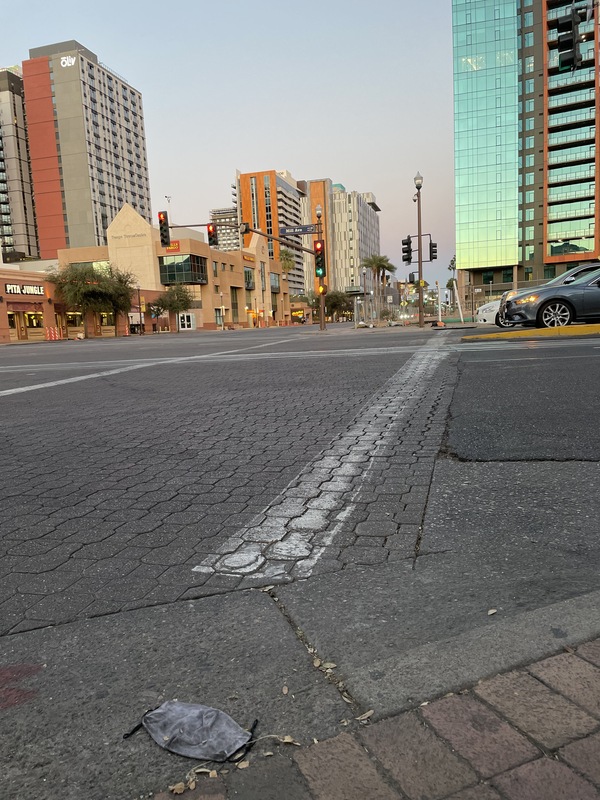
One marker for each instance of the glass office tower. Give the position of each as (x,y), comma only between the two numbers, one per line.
(525,142)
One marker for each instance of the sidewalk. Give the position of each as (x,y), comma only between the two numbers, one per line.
(529,734)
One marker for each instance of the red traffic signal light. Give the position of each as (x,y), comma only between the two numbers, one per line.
(213,237)
(163,229)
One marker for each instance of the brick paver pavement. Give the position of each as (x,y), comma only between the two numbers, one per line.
(530,734)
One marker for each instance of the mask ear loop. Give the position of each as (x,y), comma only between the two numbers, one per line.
(139,725)
(247,747)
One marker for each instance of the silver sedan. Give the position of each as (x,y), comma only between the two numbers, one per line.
(555,306)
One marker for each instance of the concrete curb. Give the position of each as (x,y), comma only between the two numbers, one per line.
(538,333)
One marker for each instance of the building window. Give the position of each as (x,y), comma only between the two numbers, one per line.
(529,64)
(528,17)
(216,288)
(528,273)
(507,275)
(529,142)
(549,271)
(529,178)
(529,123)
(487,276)
(529,214)
(528,40)
(529,86)
(215,269)
(529,251)
(529,197)
(530,160)
(529,233)
(529,105)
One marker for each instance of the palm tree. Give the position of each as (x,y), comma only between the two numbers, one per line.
(378,265)
(287,260)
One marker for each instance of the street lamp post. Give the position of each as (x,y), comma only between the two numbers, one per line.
(365,295)
(419,184)
(319,213)
(140,309)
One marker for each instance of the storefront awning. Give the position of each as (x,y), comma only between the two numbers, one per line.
(13,305)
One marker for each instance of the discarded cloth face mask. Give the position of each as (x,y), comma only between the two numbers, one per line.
(194,731)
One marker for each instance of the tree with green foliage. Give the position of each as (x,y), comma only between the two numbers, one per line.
(82,288)
(120,287)
(338,303)
(176,299)
(156,308)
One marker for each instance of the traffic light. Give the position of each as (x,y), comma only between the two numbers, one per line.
(432,251)
(569,55)
(213,237)
(319,248)
(411,277)
(407,250)
(322,289)
(163,229)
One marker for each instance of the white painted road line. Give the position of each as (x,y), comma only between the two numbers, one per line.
(285,530)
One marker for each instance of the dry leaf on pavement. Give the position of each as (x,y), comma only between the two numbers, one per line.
(243,764)
(329,665)
(317,662)
(177,788)
(492,611)
(285,690)
(365,716)
(213,774)
(289,740)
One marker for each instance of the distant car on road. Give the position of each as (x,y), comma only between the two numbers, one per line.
(554,306)
(564,278)
(490,313)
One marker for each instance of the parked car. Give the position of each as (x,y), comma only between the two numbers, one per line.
(564,278)
(554,306)
(489,313)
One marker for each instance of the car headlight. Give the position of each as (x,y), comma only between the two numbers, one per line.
(523,301)
(510,294)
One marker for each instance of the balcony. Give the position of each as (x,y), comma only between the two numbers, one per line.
(580,193)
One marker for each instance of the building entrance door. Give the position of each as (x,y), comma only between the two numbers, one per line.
(187,322)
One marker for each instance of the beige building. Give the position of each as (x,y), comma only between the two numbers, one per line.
(242,288)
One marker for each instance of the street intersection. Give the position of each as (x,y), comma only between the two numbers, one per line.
(207,516)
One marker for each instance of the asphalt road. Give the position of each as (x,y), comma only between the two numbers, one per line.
(384,489)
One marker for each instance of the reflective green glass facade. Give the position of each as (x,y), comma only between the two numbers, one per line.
(486,132)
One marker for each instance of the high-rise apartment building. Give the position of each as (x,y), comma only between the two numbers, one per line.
(17,218)
(268,201)
(87,146)
(351,229)
(228,229)
(355,234)
(526,141)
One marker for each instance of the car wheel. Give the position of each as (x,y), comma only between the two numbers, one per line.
(554,314)
(502,323)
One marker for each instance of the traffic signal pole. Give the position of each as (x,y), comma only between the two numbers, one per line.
(419,233)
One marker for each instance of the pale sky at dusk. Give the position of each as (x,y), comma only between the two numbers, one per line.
(359,92)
